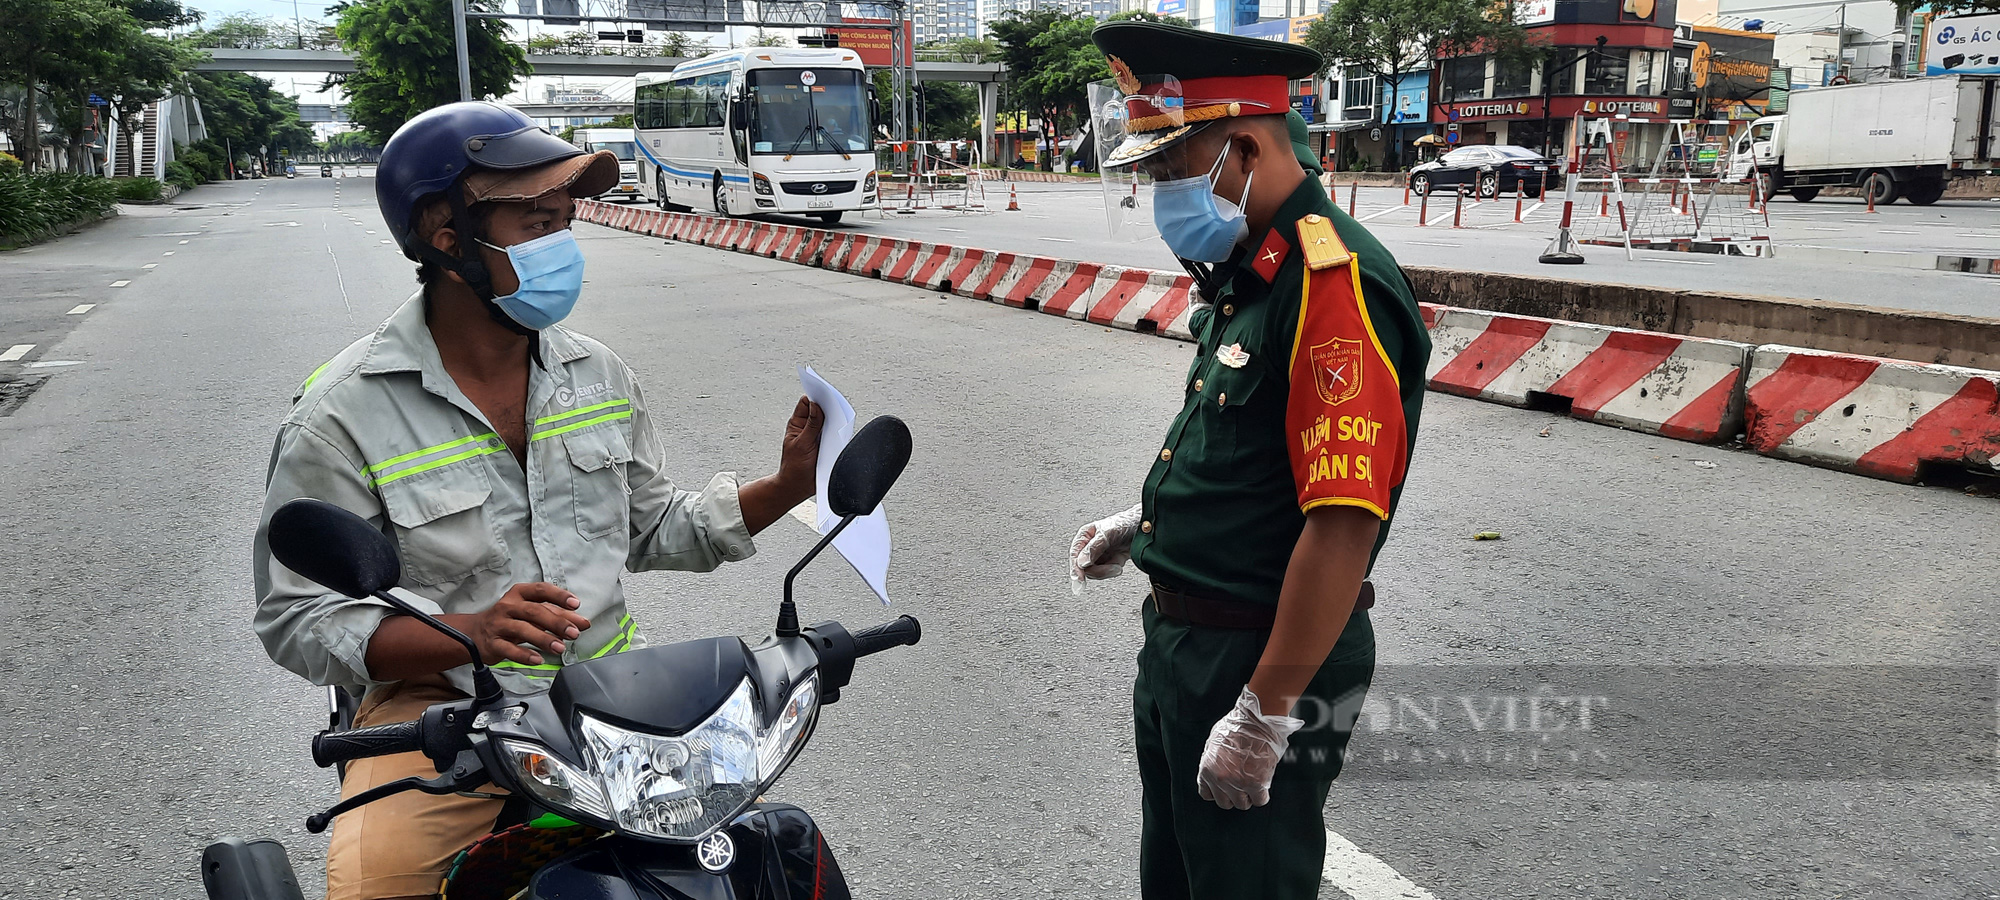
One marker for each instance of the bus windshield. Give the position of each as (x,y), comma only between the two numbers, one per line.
(808,111)
(621,149)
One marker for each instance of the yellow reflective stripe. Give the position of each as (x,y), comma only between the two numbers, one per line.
(392,461)
(307,385)
(622,641)
(577,412)
(476,451)
(565,429)
(624,637)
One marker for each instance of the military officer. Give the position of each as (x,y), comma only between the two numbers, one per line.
(1272,491)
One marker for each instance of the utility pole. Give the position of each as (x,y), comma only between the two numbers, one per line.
(464,61)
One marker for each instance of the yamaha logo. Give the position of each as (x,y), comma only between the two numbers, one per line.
(819,188)
(716,853)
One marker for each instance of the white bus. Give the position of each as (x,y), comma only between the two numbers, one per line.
(760,130)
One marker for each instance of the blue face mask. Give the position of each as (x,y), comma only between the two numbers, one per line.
(550,268)
(1196,224)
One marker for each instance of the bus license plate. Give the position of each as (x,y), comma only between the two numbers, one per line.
(819,204)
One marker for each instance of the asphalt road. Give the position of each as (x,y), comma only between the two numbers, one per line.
(994,759)
(1830,249)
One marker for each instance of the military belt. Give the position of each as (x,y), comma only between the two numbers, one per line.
(1213,612)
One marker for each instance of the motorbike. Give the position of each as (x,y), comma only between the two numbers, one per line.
(640,775)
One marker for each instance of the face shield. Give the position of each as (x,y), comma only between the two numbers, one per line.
(1139,136)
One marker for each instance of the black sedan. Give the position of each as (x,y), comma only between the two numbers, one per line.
(1487,169)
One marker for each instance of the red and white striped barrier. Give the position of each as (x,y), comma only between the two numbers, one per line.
(1665,384)
(1116,296)
(1880,417)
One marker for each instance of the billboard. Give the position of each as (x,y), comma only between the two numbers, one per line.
(1966,45)
(872,44)
(1170,7)
(1731,71)
(1534,12)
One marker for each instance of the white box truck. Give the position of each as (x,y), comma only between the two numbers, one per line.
(619,142)
(1902,138)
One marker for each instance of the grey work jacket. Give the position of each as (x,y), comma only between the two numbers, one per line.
(383,431)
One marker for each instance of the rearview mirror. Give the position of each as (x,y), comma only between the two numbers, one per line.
(334,547)
(868,467)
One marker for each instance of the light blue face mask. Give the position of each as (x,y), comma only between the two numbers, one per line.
(550,268)
(1191,218)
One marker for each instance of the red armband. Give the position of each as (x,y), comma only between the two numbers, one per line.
(1344,416)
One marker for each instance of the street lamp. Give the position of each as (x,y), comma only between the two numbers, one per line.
(1549,81)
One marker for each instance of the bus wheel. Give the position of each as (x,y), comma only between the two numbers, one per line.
(721,200)
(830,218)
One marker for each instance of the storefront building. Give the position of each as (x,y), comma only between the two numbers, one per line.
(1484,101)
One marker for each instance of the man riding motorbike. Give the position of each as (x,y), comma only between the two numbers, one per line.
(514,462)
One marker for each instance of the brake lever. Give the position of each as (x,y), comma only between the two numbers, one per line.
(463,777)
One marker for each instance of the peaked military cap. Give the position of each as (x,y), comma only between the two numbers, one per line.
(1220,76)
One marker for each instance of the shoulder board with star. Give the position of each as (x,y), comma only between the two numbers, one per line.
(1320,244)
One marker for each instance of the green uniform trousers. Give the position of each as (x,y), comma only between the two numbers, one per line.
(1192,849)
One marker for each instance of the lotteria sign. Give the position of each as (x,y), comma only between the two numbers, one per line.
(1496,109)
(1624,107)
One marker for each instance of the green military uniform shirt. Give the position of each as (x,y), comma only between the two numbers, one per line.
(1221,512)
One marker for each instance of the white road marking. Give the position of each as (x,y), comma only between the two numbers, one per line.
(54,363)
(371,232)
(1377,215)
(150,266)
(120,283)
(385,240)
(1887,231)
(170,252)
(80,309)
(1359,874)
(1434,243)
(807,514)
(183,242)
(1057,240)
(16,352)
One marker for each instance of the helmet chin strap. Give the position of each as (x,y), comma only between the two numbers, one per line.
(468,265)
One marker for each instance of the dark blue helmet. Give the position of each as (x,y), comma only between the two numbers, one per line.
(506,152)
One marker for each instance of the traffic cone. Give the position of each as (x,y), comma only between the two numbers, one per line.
(1013,198)
(1870,192)
(1424,208)
(1351,192)
(1604,206)
(1517,203)
(1458,211)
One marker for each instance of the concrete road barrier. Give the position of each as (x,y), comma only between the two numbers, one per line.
(1678,387)
(1880,417)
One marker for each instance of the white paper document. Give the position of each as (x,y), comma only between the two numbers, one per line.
(865,543)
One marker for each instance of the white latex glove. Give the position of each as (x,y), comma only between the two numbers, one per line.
(1242,753)
(1102,548)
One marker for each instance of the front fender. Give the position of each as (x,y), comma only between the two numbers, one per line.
(780,855)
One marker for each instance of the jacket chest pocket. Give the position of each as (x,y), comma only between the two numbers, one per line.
(597,458)
(442,527)
(1227,419)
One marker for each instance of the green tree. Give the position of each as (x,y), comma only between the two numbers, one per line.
(1391,39)
(406,61)
(44,40)
(243,113)
(973,50)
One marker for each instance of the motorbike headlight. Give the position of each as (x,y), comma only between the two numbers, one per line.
(686,787)
(555,783)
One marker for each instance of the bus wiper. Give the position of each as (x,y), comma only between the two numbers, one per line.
(812,122)
(804,133)
(831,142)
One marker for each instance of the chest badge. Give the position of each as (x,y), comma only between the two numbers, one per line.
(1233,356)
(1337,370)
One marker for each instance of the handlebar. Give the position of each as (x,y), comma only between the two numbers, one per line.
(898,632)
(381,740)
